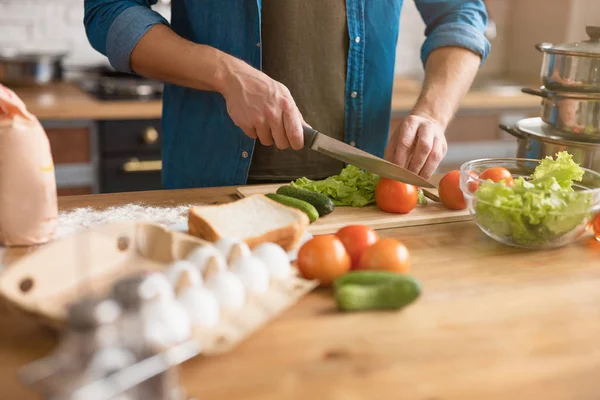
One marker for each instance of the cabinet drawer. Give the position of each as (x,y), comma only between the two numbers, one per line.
(74,191)
(126,136)
(69,145)
(123,174)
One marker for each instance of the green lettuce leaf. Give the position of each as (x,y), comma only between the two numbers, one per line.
(564,170)
(422,200)
(352,187)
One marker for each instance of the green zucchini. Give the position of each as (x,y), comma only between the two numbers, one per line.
(301,205)
(375,290)
(322,203)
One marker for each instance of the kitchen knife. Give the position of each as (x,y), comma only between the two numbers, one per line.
(359,158)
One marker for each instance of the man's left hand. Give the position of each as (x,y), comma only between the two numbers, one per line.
(418,144)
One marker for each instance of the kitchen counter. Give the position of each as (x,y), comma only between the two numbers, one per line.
(494,322)
(65,101)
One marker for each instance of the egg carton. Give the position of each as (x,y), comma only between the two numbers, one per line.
(44,283)
(119,385)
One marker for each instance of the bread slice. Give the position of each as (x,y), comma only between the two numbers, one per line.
(254,219)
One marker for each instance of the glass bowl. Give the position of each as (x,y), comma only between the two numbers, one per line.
(533,218)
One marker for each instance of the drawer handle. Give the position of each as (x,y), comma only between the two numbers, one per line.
(150,135)
(135,165)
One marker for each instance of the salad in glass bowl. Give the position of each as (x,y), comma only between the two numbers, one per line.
(530,203)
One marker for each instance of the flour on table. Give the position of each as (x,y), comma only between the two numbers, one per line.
(73,221)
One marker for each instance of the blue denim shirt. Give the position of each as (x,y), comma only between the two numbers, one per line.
(201,146)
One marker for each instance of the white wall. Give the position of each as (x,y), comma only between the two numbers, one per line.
(49,25)
(57,24)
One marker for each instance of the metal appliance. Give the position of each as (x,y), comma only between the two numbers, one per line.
(129,150)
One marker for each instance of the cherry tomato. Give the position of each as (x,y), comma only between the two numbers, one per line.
(596,226)
(386,255)
(450,193)
(497,174)
(356,238)
(395,197)
(323,258)
(472,183)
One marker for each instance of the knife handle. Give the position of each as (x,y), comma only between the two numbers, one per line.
(309,136)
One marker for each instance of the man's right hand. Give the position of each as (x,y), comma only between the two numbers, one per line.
(262,107)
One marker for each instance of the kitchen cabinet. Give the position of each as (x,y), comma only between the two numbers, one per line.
(130,155)
(70,145)
(105,156)
(73,147)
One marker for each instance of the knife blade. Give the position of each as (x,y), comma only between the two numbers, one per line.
(334,148)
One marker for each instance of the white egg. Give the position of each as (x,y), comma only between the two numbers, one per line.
(275,259)
(227,288)
(232,248)
(253,274)
(238,251)
(202,254)
(175,269)
(156,285)
(166,322)
(201,306)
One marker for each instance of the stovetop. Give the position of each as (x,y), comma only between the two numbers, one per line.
(108,84)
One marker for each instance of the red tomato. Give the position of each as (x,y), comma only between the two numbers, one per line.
(356,238)
(386,255)
(395,197)
(450,193)
(323,258)
(596,226)
(497,174)
(472,183)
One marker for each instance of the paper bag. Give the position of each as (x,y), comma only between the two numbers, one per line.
(28,206)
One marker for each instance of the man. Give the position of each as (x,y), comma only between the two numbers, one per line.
(244,75)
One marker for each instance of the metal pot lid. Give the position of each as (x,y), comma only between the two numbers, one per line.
(561,95)
(588,48)
(535,127)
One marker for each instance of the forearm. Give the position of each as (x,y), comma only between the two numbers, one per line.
(163,55)
(449,73)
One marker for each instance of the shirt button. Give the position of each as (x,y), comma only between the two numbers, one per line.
(258,44)
(353,95)
(353,143)
(357,39)
(244,154)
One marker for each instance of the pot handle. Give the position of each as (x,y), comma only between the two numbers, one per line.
(542,47)
(512,131)
(534,92)
(593,32)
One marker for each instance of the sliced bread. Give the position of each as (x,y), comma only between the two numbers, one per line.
(253,219)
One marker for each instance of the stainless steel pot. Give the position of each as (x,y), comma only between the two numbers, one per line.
(532,145)
(573,66)
(30,69)
(575,113)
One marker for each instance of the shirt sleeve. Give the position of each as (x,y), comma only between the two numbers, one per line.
(459,23)
(114,27)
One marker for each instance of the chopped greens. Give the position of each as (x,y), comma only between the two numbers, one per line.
(352,187)
(537,210)
(422,199)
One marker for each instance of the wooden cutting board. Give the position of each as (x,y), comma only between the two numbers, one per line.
(432,213)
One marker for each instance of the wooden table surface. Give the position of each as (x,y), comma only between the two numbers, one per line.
(494,322)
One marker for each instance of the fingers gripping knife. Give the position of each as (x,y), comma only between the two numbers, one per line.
(361,159)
